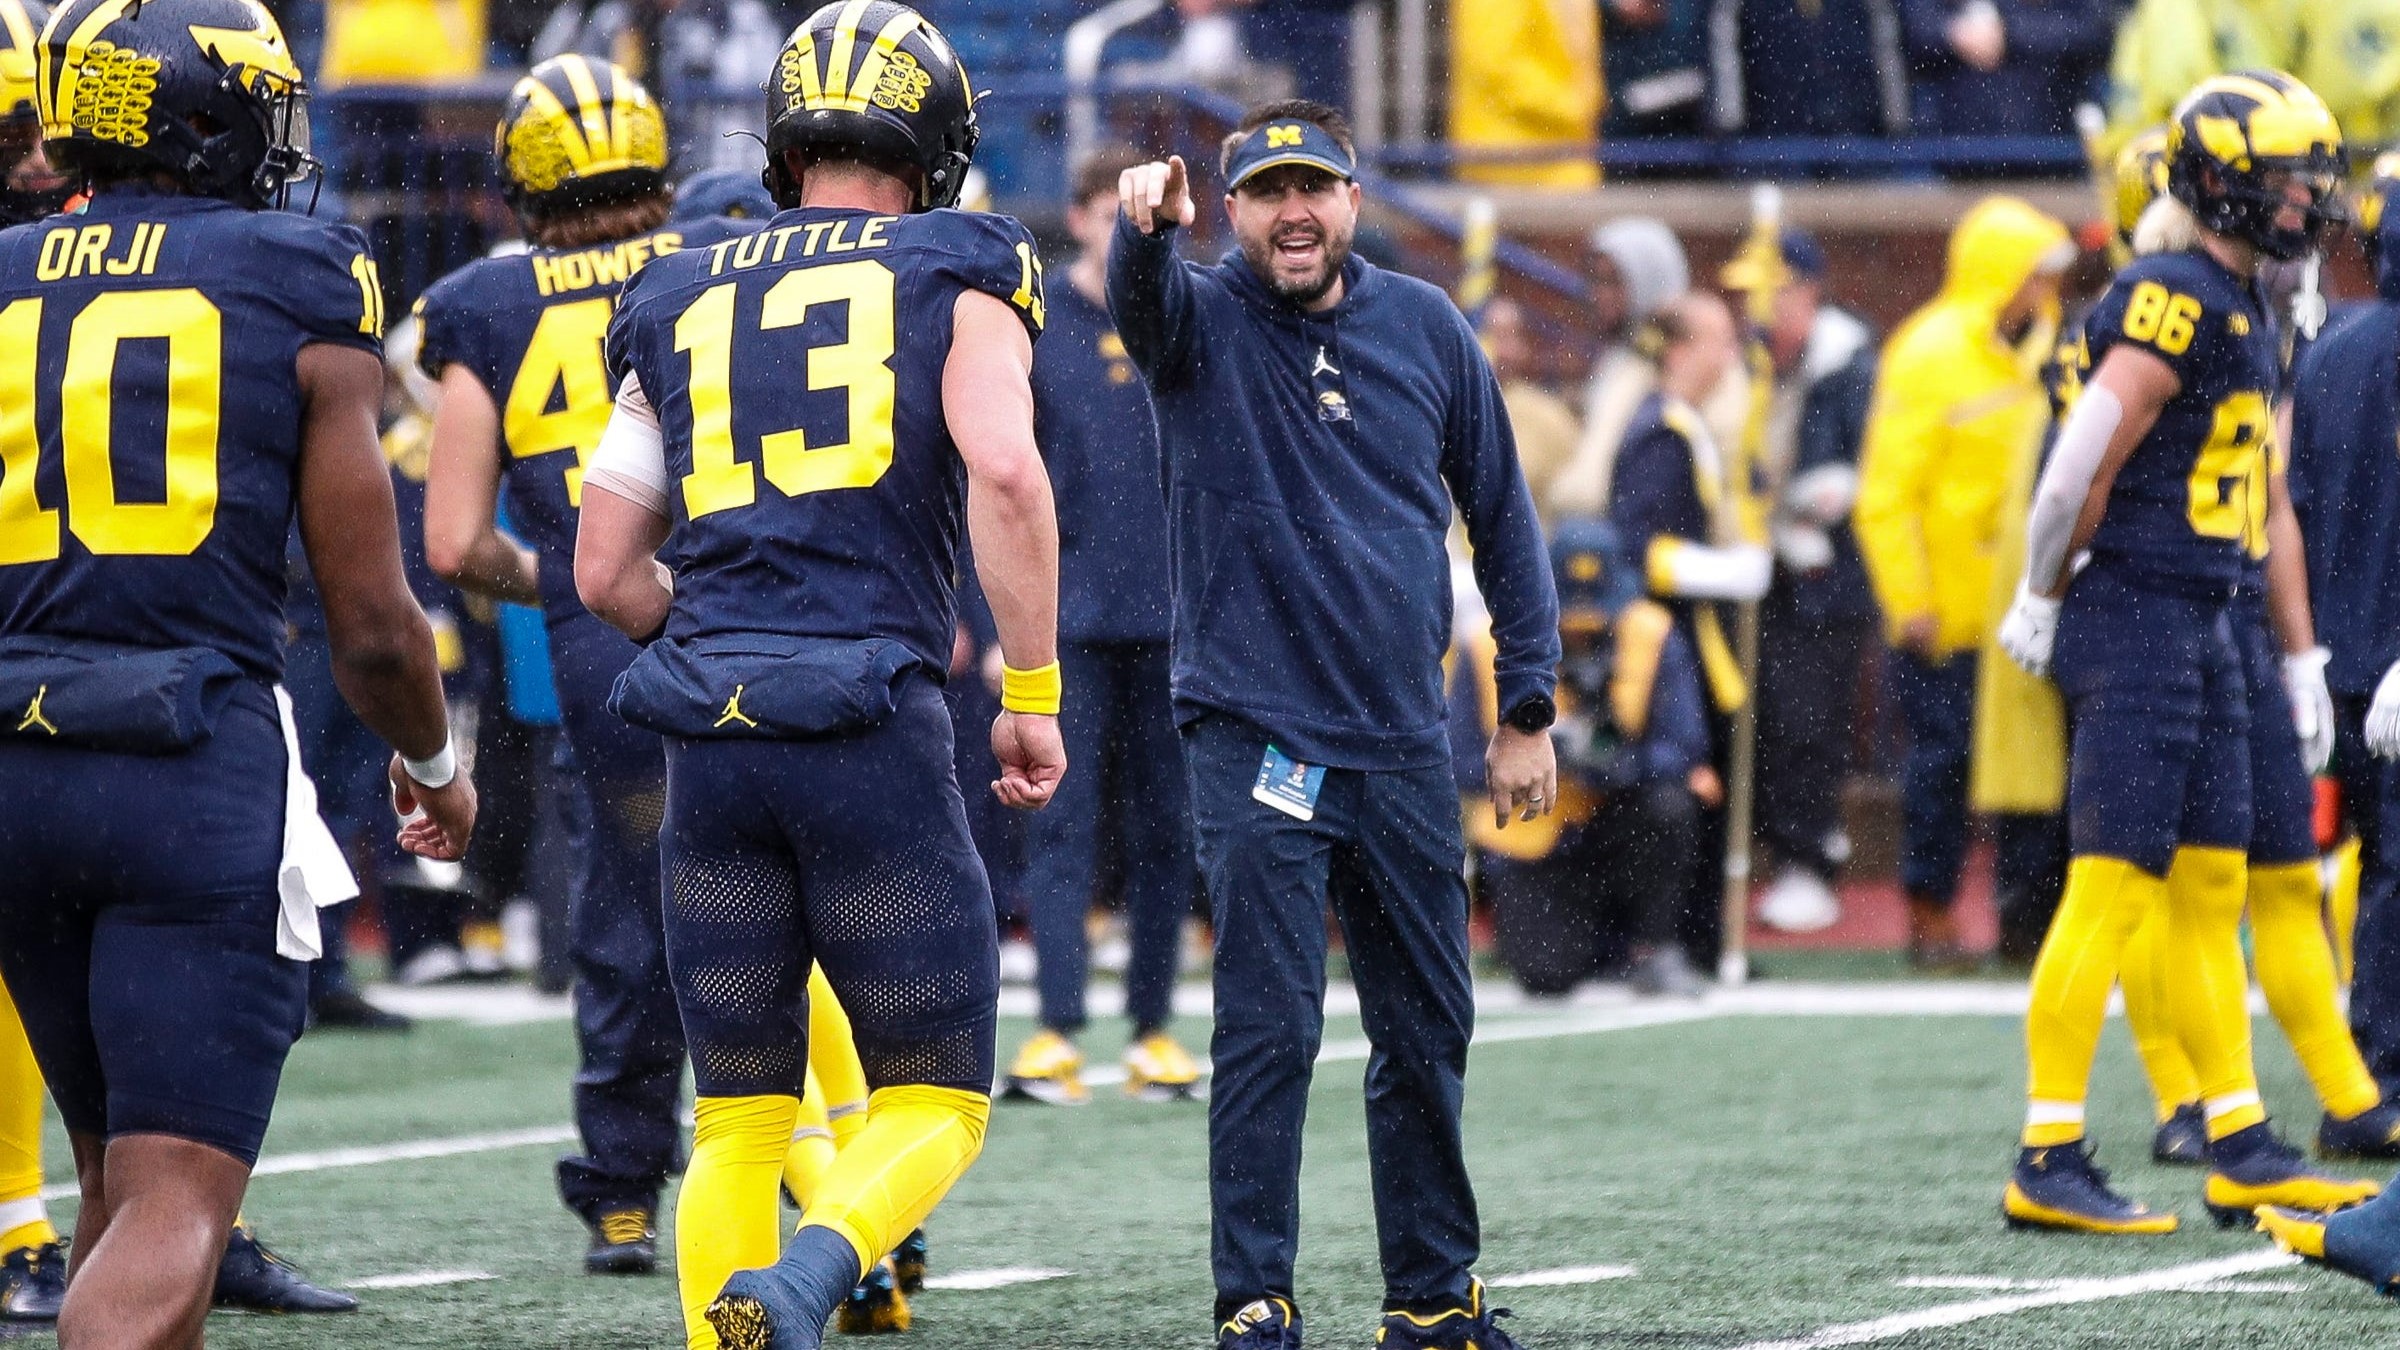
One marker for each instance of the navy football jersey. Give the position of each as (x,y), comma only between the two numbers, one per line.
(147,484)
(797,375)
(533,328)
(2190,504)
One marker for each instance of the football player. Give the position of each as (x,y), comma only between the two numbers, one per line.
(2157,480)
(515,343)
(202,369)
(807,419)
(2291,739)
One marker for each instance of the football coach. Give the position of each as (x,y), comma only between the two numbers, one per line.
(1320,418)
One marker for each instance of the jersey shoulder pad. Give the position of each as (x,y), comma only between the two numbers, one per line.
(2174,306)
(994,254)
(677,235)
(454,313)
(322,274)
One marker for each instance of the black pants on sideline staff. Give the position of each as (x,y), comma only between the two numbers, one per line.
(1385,849)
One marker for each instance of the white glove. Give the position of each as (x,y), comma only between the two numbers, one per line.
(1803,547)
(2383,716)
(2312,707)
(2029,630)
(1737,572)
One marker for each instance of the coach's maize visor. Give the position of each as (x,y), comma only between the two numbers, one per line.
(1288,142)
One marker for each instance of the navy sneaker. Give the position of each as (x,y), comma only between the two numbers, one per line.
(1472,1327)
(1262,1324)
(33,1283)
(2251,1167)
(2059,1188)
(876,1307)
(2372,1133)
(2363,1243)
(911,1259)
(2182,1138)
(253,1278)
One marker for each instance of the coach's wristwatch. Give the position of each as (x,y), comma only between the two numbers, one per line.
(1534,712)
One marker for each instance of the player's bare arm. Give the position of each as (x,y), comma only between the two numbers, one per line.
(383,658)
(463,542)
(616,562)
(987,396)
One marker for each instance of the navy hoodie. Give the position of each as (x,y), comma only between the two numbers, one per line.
(1312,461)
(2345,480)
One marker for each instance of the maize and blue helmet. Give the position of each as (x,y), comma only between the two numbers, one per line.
(875,81)
(205,91)
(578,132)
(2233,144)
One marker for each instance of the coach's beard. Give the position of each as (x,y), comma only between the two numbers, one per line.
(1299,263)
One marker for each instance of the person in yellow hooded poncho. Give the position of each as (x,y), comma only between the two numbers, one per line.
(1958,409)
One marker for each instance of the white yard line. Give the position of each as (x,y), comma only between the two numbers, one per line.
(978,1280)
(373,1155)
(2167,1279)
(1565,1275)
(422,1279)
(2001,1282)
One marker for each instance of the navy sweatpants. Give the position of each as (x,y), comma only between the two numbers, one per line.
(1127,781)
(1937,705)
(1385,849)
(626,1027)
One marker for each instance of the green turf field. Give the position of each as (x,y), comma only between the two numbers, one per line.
(1766,1176)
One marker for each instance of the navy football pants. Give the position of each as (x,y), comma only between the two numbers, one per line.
(2371,802)
(139,909)
(848,851)
(1125,778)
(1385,849)
(626,1028)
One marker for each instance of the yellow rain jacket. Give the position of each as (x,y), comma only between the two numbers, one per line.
(2348,51)
(2020,756)
(1525,73)
(1956,405)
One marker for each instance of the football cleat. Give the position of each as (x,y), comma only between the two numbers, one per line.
(1049,1069)
(2182,1138)
(756,1312)
(2251,1167)
(33,1283)
(253,1278)
(1158,1069)
(910,1260)
(624,1242)
(876,1307)
(2360,1243)
(1473,1327)
(1261,1324)
(2372,1133)
(2059,1188)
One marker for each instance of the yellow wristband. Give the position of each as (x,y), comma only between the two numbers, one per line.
(1032,691)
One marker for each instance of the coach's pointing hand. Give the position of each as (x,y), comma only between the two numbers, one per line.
(1154,194)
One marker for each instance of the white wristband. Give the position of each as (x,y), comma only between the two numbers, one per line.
(435,772)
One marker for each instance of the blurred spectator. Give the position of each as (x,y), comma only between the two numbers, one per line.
(1808,67)
(1654,58)
(401,41)
(1638,271)
(1092,417)
(1632,777)
(706,60)
(1957,403)
(1546,427)
(1309,39)
(2005,67)
(1676,502)
(1820,613)
(2348,51)
(1525,74)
